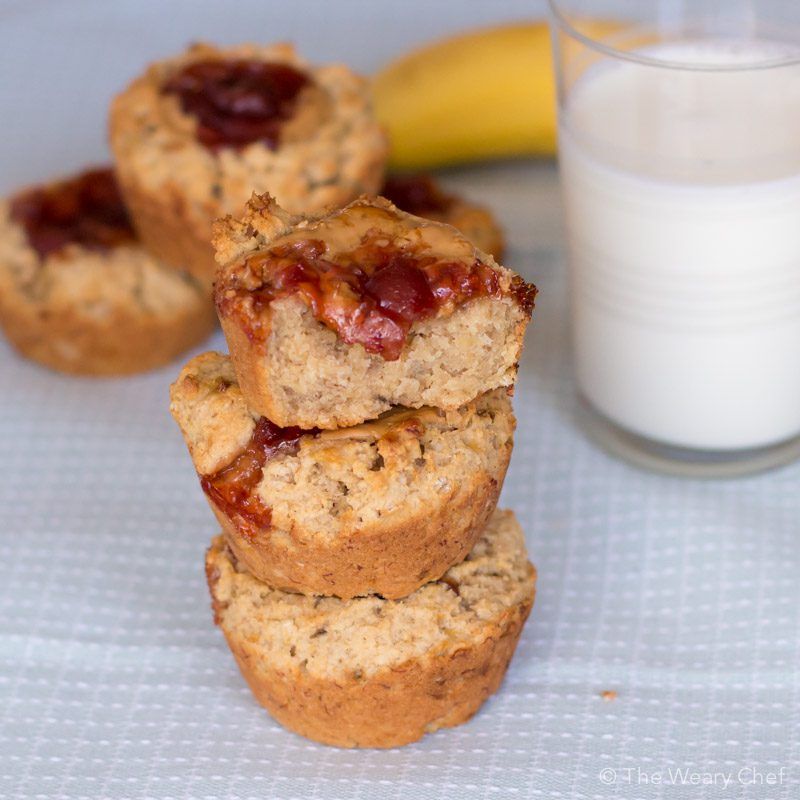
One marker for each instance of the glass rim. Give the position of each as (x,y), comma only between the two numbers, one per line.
(560,20)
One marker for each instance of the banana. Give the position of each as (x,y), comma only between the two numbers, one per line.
(480,95)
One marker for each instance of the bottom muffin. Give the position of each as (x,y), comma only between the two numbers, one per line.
(79,294)
(370,672)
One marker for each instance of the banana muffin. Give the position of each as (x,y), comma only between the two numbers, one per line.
(372,672)
(79,294)
(422,196)
(380,508)
(333,319)
(196,134)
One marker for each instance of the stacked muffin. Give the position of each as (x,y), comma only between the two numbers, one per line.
(353,447)
(354,444)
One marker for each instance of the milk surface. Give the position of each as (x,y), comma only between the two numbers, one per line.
(682,191)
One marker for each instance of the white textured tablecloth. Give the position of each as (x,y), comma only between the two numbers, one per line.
(683,597)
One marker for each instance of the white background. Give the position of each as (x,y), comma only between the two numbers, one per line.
(61,61)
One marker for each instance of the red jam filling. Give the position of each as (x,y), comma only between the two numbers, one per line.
(86,211)
(238,101)
(370,296)
(232,488)
(417,194)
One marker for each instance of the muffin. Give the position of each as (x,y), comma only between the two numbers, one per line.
(372,672)
(333,319)
(380,508)
(196,134)
(422,196)
(79,294)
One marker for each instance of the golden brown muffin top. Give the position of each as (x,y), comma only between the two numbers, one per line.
(368,271)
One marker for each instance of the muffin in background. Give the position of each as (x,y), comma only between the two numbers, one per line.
(197,134)
(421,195)
(79,293)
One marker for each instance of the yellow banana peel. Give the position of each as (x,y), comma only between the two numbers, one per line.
(476,96)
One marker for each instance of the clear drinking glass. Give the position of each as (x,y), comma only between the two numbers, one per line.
(679,150)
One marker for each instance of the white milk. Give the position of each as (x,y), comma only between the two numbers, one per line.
(682,191)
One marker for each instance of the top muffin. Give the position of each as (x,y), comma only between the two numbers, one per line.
(331,319)
(197,134)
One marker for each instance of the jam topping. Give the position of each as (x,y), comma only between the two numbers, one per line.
(370,296)
(232,488)
(86,210)
(237,101)
(417,194)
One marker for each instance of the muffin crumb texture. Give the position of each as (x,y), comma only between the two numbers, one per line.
(296,370)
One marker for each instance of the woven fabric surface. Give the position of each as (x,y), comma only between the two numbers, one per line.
(681,597)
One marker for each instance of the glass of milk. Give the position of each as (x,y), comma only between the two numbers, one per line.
(679,150)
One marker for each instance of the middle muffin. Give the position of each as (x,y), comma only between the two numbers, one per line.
(380,508)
